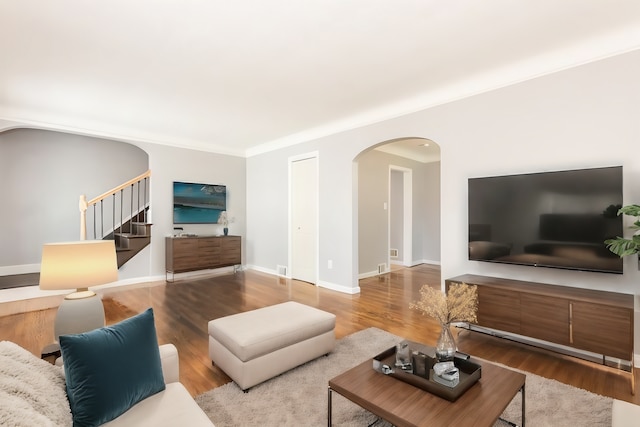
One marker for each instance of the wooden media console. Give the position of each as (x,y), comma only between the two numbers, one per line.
(193,253)
(587,320)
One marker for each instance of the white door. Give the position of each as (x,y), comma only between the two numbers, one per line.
(304,219)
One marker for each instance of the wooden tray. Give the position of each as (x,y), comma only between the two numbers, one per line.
(470,373)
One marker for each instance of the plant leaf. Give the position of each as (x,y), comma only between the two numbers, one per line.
(631,210)
(623,247)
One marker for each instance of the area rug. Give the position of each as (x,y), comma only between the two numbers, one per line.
(299,397)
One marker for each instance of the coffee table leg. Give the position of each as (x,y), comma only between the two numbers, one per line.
(329,409)
(511,423)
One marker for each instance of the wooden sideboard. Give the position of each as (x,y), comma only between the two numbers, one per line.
(184,254)
(599,322)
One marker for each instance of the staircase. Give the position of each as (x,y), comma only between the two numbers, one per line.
(123,213)
(128,244)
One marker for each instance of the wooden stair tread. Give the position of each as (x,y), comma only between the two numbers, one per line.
(132,235)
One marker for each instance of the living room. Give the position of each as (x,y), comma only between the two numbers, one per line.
(581,115)
(578,112)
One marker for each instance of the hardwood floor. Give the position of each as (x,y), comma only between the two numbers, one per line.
(183,308)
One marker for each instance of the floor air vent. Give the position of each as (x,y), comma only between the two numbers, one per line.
(282,270)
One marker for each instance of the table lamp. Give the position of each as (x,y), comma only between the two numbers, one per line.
(78,265)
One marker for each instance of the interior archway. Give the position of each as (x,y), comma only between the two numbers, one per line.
(61,166)
(387,174)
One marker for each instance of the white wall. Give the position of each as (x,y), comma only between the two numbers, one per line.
(267,212)
(373,193)
(35,162)
(581,117)
(430,233)
(170,164)
(42,175)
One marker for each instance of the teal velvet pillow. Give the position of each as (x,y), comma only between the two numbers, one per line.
(110,369)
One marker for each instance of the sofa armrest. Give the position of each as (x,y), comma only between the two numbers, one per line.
(624,414)
(170,363)
(168,359)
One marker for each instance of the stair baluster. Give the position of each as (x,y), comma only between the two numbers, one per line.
(138,235)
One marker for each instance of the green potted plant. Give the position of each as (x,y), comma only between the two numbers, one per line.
(621,246)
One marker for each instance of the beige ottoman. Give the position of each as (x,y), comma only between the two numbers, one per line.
(257,345)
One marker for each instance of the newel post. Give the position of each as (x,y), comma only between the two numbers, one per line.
(83,217)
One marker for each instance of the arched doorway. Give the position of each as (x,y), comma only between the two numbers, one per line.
(398,205)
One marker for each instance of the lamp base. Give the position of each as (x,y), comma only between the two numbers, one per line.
(79,314)
(81,293)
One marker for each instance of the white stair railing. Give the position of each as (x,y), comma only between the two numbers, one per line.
(125,202)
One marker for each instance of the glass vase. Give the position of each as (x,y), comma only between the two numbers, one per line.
(446,344)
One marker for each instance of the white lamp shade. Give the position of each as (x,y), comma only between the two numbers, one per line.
(73,265)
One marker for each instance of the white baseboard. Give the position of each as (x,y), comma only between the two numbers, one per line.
(339,288)
(263,270)
(369,274)
(429,261)
(411,264)
(322,284)
(11,270)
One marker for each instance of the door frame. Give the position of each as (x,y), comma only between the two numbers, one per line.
(291,160)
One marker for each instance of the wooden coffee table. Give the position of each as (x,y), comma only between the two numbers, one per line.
(402,404)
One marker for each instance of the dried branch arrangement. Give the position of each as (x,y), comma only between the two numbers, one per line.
(460,304)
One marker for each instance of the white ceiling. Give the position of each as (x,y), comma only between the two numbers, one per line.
(242,77)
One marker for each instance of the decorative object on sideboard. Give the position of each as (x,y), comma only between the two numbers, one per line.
(460,304)
(224,220)
(624,247)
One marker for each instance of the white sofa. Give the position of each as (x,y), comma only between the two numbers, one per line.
(33,392)
(625,414)
(172,407)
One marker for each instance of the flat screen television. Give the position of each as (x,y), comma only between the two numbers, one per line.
(549,219)
(195,203)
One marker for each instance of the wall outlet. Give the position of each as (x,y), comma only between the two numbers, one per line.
(330,264)
(393,253)
(382,268)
